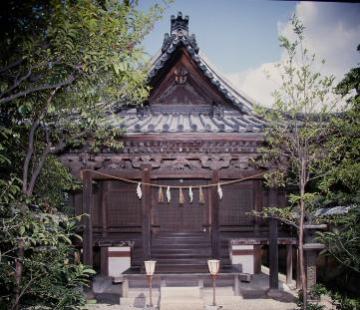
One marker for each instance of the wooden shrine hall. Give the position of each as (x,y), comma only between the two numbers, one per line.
(193,136)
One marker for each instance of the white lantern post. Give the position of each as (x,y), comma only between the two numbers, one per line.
(214,267)
(150,269)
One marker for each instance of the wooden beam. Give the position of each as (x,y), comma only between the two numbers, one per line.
(215,238)
(129,174)
(273,244)
(146,209)
(200,174)
(88,204)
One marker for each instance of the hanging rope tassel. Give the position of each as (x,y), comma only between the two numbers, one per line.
(201,196)
(138,190)
(220,191)
(160,195)
(191,194)
(181,196)
(168,194)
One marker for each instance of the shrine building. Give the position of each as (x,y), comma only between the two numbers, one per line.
(182,188)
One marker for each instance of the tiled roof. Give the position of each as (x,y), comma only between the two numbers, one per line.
(178,39)
(237,117)
(162,120)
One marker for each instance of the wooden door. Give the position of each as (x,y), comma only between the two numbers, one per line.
(175,217)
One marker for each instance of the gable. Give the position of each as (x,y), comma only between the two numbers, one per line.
(188,95)
(182,82)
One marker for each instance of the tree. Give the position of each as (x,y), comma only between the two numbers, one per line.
(65,67)
(295,135)
(340,185)
(64,78)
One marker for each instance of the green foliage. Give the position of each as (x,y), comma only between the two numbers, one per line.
(314,295)
(298,126)
(61,84)
(54,185)
(343,241)
(339,301)
(343,302)
(342,181)
(313,305)
(317,291)
(52,275)
(65,69)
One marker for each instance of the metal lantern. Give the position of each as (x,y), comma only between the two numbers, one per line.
(150,269)
(214,267)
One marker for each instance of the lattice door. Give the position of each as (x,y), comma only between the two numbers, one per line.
(180,217)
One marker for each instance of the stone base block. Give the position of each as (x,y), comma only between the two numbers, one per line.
(209,307)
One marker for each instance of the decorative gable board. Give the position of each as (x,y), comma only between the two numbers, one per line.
(187,95)
(182,82)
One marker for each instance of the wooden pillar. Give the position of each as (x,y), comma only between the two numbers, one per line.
(273,244)
(104,250)
(215,238)
(298,275)
(87,208)
(289,263)
(258,206)
(146,209)
(310,268)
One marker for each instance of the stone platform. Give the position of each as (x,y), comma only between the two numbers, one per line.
(177,296)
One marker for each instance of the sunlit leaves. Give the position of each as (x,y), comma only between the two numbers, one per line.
(298,125)
(66,66)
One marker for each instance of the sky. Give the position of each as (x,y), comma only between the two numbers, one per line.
(241,37)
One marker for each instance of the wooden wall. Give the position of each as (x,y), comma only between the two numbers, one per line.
(117,213)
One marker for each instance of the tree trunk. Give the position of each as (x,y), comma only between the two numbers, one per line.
(29,154)
(301,254)
(301,233)
(18,273)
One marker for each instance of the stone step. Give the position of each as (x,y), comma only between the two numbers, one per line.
(171,260)
(137,302)
(224,300)
(184,233)
(143,293)
(221,291)
(182,306)
(180,243)
(206,251)
(180,254)
(181,303)
(180,292)
(182,268)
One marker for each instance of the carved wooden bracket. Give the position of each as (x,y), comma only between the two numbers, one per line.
(180,163)
(215,162)
(243,163)
(154,161)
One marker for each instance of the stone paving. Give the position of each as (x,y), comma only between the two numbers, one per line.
(246,304)
(253,297)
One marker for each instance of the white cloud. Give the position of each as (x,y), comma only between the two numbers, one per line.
(332,33)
